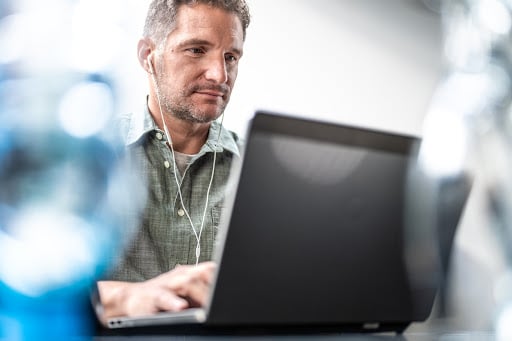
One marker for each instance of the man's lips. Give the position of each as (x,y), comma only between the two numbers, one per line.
(212,93)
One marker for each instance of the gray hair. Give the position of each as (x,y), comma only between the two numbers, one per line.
(161,17)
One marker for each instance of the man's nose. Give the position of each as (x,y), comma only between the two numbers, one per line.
(216,70)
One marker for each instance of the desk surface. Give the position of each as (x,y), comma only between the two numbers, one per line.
(460,336)
(416,332)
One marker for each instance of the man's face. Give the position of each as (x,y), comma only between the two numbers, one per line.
(199,64)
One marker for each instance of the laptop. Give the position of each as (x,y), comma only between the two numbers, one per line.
(313,234)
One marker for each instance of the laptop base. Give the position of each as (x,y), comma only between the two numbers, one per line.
(204,329)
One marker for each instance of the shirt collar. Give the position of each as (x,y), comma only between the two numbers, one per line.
(141,123)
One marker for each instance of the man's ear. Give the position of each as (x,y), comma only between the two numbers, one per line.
(145,51)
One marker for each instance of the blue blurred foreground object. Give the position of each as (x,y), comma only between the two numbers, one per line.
(65,193)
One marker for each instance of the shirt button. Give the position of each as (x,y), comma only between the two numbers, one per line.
(181,212)
(167,164)
(159,136)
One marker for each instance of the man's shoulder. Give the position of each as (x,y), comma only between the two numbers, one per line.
(238,140)
(122,124)
(229,140)
(132,126)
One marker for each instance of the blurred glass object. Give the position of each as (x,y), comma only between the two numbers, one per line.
(66,194)
(467,135)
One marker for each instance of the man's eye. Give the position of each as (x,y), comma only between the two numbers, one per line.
(196,50)
(231,58)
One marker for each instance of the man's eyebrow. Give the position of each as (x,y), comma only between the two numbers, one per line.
(203,42)
(194,41)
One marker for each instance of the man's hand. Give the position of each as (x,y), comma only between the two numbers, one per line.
(183,287)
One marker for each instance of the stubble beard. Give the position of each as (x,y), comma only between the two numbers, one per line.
(186,111)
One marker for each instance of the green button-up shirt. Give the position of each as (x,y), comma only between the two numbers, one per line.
(164,236)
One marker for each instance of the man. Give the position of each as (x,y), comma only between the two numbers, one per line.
(190,50)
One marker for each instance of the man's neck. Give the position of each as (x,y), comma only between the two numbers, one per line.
(187,137)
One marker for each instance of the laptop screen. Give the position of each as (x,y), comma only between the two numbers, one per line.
(316,227)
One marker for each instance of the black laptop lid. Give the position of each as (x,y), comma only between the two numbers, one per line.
(316,228)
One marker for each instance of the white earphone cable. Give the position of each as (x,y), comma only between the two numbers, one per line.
(168,136)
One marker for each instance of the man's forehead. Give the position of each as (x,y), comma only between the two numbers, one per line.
(200,21)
